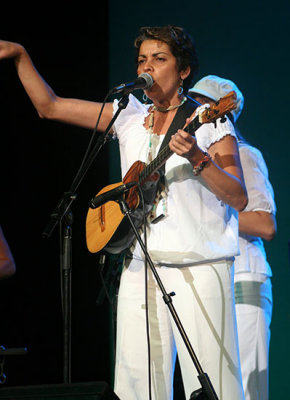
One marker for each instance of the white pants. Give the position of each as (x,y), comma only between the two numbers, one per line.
(204,303)
(254,311)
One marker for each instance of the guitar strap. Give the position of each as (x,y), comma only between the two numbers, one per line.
(183,112)
(178,122)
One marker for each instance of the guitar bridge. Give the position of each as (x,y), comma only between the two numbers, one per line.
(102,218)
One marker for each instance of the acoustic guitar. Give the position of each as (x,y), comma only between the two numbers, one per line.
(106,227)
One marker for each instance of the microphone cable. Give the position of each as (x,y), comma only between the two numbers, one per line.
(87,159)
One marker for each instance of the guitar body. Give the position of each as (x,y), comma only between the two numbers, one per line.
(106,227)
(102,222)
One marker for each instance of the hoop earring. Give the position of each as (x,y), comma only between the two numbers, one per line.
(180,90)
(145,98)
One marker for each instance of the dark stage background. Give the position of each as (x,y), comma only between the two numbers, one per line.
(80,52)
(39,160)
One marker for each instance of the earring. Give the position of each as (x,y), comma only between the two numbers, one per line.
(180,89)
(145,98)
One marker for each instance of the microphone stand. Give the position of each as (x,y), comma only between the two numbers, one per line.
(61,213)
(206,392)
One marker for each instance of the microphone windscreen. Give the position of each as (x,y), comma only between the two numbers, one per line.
(148,78)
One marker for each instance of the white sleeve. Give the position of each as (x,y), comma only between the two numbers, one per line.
(259,188)
(213,132)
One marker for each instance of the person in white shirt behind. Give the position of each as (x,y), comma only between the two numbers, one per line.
(253,289)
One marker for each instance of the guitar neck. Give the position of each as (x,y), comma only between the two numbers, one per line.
(166,153)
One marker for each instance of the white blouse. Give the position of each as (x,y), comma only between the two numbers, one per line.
(198,226)
(261,198)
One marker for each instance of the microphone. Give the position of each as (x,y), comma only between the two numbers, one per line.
(144,81)
(110,195)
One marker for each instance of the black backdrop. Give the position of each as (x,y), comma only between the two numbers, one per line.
(39,160)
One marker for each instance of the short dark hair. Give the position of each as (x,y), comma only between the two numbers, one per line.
(180,43)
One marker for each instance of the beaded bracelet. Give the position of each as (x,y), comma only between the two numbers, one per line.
(201,164)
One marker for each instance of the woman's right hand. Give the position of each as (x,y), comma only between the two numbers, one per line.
(10,49)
